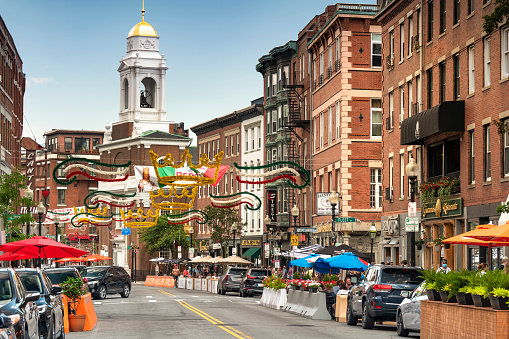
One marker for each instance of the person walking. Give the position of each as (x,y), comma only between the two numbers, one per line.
(444,268)
(175,273)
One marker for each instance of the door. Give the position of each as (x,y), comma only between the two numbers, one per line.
(111,280)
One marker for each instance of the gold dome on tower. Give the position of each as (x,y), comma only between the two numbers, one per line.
(143,28)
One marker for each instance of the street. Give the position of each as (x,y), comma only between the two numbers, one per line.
(156,312)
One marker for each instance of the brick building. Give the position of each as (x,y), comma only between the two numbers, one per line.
(444,81)
(346,124)
(227,134)
(12,90)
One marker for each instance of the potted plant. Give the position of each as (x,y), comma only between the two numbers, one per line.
(445,187)
(313,286)
(464,297)
(73,289)
(480,296)
(499,297)
(419,242)
(427,190)
(438,242)
(430,276)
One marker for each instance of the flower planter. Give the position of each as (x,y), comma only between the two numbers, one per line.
(77,322)
(419,247)
(297,288)
(444,295)
(433,295)
(464,298)
(438,248)
(313,289)
(481,301)
(499,303)
(447,246)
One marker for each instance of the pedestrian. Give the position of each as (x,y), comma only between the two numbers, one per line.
(404,263)
(391,263)
(175,273)
(482,268)
(505,263)
(444,268)
(157,269)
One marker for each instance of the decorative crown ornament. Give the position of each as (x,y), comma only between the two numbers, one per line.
(139,219)
(168,202)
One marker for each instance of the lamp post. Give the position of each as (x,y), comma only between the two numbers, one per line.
(266,222)
(40,210)
(191,231)
(295,213)
(372,235)
(412,171)
(333,201)
(29,194)
(133,260)
(235,228)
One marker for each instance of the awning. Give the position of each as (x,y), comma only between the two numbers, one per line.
(394,241)
(449,116)
(253,253)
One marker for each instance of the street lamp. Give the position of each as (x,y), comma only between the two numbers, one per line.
(412,171)
(40,210)
(333,201)
(133,260)
(235,228)
(295,213)
(56,220)
(191,231)
(29,194)
(372,235)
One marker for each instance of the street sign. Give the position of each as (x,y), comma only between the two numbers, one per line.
(306,229)
(179,248)
(191,250)
(276,263)
(345,219)
(179,255)
(295,240)
(14,216)
(412,224)
(234,251)
(126,231)
(412,209)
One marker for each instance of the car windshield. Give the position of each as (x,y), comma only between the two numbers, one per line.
(31,281)
(258,273)
(5,287)
(58,277)
(238,271)
(400,276)
(96,272)
(82,270)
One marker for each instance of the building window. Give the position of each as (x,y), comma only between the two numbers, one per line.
(456,60)
(338,119)
(506,151)
(505,53)
(419,97)
(61,197)
(487,61)
(391,110)
(329,139)
(410,102)
(274,121)
(268,86)
(338,54)
(442,81)
(442,16)
(456,14)
(274,84)
(237,138)
(375,191)
(391,46)
(470,6)
(401,104)
(430,21)
(322,122)
(329,65)
(391,175)
(376,118)
(232,144)
(471,165)
(68,143)
(471,69)
(376,50)
(81,145)
(402,42)
(410,35)
(258,133)
(402,175)
(429,76)
(226,146)
(487,153)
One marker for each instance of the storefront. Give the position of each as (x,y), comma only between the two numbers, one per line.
(390,247)
(251,248)
(84,242)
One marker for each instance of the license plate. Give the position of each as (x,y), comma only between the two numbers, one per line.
(260,285)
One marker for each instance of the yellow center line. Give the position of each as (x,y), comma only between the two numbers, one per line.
(211,319)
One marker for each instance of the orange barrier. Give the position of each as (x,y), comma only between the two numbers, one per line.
(163,281)
(85,307)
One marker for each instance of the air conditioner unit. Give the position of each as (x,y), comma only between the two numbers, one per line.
(417,45)
(388,123)
(388,193)
(390,62)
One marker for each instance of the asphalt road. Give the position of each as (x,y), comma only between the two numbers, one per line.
(156,312)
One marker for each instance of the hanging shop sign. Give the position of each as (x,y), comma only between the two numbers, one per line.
(272,205)
(250,242)
(441,210)
(323,205)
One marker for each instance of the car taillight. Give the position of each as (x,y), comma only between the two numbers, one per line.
(250,277)
(382,287)
(227,277)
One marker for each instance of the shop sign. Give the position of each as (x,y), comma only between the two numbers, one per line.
(323,205)
(204,246)
(76,237)
(216,246)
(250,242)
(272,205)
(324,228)
(446,209)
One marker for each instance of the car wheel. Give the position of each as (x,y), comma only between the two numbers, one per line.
(400,328)
(102,292)
(350,319)
(368,322)
(125,291)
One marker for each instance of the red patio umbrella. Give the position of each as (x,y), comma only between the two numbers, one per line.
(42,247)
(18,256)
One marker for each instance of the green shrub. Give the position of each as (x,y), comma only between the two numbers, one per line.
(307,276)
(296,275)
(500,292)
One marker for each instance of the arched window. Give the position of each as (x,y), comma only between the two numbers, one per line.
(126,94)
(148,93)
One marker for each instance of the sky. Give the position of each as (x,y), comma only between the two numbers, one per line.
(71,51)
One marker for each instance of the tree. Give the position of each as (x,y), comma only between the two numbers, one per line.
(221,221)
(11,198)
(500,13)
(163,236)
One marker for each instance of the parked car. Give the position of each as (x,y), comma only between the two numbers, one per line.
(377,297)
(82,269)
(252,281)
(50,306)
(230,280)
(59,275)
(103,280)
(408,315)
(19,305)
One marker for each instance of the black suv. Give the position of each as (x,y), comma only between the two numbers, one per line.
(230,280)
(103,280)
(377,296)
(252,281)
(51,310)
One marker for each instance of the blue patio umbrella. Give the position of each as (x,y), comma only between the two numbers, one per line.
(347,261)
(322,266)
(304,262)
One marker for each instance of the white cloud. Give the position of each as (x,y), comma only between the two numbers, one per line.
(39,81)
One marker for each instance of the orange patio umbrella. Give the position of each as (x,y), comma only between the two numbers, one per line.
(96,257)
(69,259)
(497,233)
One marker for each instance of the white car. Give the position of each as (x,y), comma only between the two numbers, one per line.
(408,316)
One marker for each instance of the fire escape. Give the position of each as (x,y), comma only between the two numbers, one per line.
(293,121)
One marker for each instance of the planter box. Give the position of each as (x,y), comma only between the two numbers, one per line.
(464,298)
(480,301)
(433,295)
(444,295)
(273,298)
(499,303)
(446,320)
